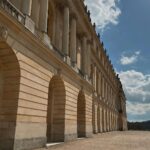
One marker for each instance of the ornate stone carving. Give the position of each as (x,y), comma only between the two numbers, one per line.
(3,33)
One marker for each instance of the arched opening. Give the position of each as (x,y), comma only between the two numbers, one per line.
(120,122)
(51,21)
(98,119)
(81,118)
(103,120)
(95,117)
(56,110)
(9,93)
(1,84)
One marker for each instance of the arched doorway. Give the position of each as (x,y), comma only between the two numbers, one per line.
(9,93)
(56,110)
(1,84)
(103,120)
(98,118)
(81,112)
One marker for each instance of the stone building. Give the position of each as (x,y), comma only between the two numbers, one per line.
(56,80)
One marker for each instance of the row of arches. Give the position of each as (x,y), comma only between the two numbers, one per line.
(104,120)
(9,93)
(56,101)
(56,111)
(56,107)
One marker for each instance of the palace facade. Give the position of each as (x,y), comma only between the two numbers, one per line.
(57,82)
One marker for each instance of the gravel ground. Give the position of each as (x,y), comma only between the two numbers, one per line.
(129,140)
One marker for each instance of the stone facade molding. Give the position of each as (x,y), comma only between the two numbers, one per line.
(3,33)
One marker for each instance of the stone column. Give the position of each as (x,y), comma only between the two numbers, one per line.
(105,91)
(103,87)
(88,58)
(111,120)
(1,85)
(35,12)
(26,10)
(43,22)
(108,93)
(95,129)
(98,118)
(95,78)
(84,57)
(99,83)
(108,120)
(65,43)
(26,7)
(105,120)
(16,3)
(92,74)
(115,122)
(73,41)
(43,16)
(101,118)
(104,127)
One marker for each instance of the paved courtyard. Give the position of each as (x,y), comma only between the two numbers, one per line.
(130,140)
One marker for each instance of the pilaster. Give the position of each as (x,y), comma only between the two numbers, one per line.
(73,43)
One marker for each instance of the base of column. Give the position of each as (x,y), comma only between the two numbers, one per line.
(29,24)
(86,77)
(32,143)
(95,94)
(100,97)
(67,60)
(70,137)
(88,134)
(75,68)
(46,40)
(73,64)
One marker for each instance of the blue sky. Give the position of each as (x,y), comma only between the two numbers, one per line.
(124,26)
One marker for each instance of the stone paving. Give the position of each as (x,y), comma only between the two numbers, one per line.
(129,140)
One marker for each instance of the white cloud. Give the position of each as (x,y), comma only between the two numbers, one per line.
(138,108)
(126,60)
(137,87)
(104,12)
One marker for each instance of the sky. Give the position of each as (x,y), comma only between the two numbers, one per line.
(124,26)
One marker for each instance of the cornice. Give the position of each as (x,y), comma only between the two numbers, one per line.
(20,30)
